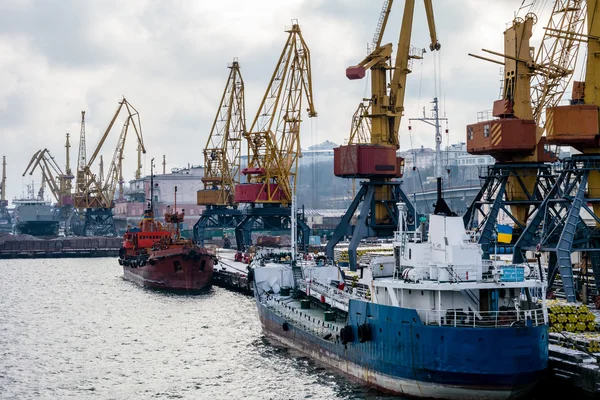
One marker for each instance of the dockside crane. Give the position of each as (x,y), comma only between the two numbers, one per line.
(59,183)
(521,177)
(222,159)
(96,197)
(274,143)
(375,159)
(558,226)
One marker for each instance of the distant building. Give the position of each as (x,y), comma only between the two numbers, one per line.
(137,195)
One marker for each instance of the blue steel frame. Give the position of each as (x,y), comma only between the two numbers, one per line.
(99,222)
(492,199)
(558,228)
(216,217)
(267,217)
(365,223)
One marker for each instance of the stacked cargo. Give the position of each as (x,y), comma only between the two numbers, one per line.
(570,317)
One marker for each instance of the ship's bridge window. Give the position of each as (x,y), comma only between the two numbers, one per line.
(486,130)
(470,132)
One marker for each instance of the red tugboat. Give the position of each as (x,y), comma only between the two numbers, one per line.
(157,257)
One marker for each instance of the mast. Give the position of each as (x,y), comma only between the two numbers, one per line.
(68,157)
(152,185)
(164,164)
(440,206)
(3,201)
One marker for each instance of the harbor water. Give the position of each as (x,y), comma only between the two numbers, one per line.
(73,328)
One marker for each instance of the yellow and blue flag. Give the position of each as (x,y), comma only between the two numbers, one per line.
(504,233)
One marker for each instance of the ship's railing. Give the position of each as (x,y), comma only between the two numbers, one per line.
(483,319)
(329,291)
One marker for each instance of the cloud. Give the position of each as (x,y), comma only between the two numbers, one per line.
(169,58)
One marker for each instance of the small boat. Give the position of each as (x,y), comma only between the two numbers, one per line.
(155,256)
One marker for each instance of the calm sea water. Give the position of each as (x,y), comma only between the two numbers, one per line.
(73,328)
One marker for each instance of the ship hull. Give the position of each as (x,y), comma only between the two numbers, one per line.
(407,358)
(37,228)
(172,270)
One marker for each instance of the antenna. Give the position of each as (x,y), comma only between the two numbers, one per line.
(164,164)
(440,206)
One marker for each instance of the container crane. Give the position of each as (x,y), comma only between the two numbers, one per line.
(521,177)
(96,197)
(380,116)
(5,218)
(222,159)
(558,227)
(274,143)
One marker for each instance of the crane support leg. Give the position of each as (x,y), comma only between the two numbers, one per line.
(366,226)
(216,217)
(275,218)
(558,227)
(99,222)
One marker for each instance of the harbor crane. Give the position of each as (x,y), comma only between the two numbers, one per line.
(522,176)
(222,159)
(558,226)
(274,143)
(59,183)
(95,196)
(371,151)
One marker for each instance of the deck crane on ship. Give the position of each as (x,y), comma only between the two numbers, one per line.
(376,160)
(222,159)
(94,196)
(521,177)
(274,143)
(558,227)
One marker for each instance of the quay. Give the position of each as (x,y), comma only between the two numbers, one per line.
(60,247)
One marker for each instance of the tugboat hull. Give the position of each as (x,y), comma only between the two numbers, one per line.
(405,357)
(171,269)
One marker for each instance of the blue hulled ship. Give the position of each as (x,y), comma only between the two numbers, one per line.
(437,321)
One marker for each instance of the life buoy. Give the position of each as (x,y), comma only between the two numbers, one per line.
(364,332)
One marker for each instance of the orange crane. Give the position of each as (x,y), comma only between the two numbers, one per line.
(222,159)
(558,227)
(274,142)
(517,183)
(96,197)
(375,158)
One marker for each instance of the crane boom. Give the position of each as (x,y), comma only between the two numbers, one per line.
(222,151)
(94,193)
(273,154)
(435,44)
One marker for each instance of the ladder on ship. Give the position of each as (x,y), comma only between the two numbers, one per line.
(297,275)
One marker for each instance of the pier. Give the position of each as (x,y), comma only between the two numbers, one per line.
(14,247)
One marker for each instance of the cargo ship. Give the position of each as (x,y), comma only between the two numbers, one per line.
(155,256)
(437,321)
(35,217)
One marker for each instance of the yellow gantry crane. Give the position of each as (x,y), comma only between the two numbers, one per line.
(97,197)
(222,151)
(274,137)
(521,177)
(274,140)
(374,134)
(222,159)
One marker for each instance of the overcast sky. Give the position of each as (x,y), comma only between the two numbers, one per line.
(169,59)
